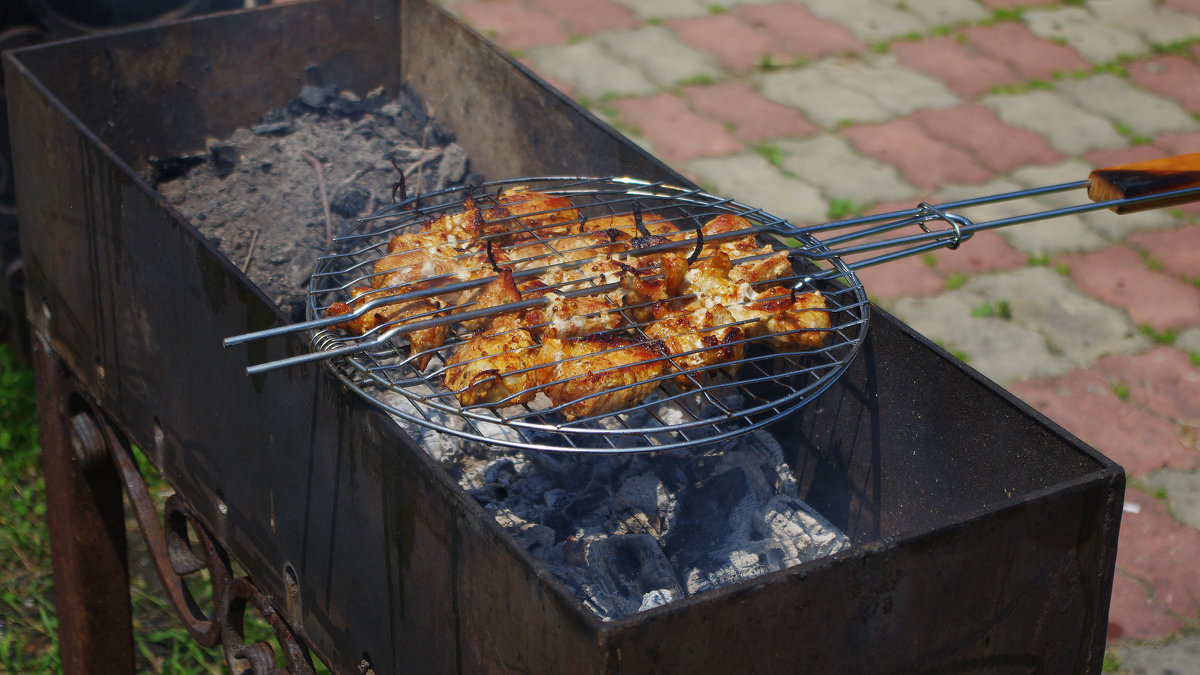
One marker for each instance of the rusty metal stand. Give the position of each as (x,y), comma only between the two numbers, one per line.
(87,464)
(87,530)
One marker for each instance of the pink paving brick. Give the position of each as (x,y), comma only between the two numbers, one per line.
(1156,549)
(798,32)
(1133,616)
(965,72)
(1171,76)
(678,134)
(730,39)
(1178,251)
(585,17)
(1192,6)
(753,117)
(926,162)
(1134,153)
(984,252)
(901,278)
(1012,4)
(1031,56)
(512,25)
(994,144)
(1178,144)
(1118,276)
(1162,379)
(1083,403)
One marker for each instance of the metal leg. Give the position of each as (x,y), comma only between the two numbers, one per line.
(87,530)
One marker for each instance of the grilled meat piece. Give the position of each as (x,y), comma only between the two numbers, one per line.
(603,373)
(702,338)
(790,320)
(573,317)
(422,342)
(498,366)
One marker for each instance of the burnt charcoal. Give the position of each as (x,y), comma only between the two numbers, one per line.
(346,104)
(170,168)
(718,511)
(624,569)
(349,201)
(316,98)
(642,505)
(224,159)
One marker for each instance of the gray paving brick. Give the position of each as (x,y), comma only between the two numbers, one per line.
(659,54)
(827,103)
(591,71)
(666,9)
(897,89)
(947,12)
(1065,234)
(869,20)
(1142,113)
(830,163)
(1189,340)
(1077,327)
(1066,126)
(1155,23)
(1002,350)
(1177,656)
(1053,327)
(1183,496)
(1096,40)
(751,179)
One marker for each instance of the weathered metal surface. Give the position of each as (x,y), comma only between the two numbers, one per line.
(361,541)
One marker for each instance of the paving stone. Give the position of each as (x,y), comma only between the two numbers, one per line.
(1097,41)
(798,32)
(752,117)
(1177,251)
(1032,57)
(1013,4)
(660,55)
(829,163)
(677,133)
(895,88)
(903,278)
(591,71)
(587,17)
(1179,144)
(1190,6)
(1155,548)
(925,161)
(734,42)
(947,12)
(994,144)
(985,251)
(1083,403)
(1177,656)
(1156,25)
(1142,113)
(1078,328)
(511,24)
(750,179)
(966,73)
(1134,616)
(1189,341)
(1171,76)
(826,102)
(1162,379)
(666,9)
(1117,276)
(869,20)
(1182,489)
(1068,127)
(1002,350)
(1121,156)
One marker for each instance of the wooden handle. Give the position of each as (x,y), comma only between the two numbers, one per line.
(1146,178)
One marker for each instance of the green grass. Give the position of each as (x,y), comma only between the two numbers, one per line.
(28,640)
(1121,390)
(956,280)
(840,209)
(1164,337)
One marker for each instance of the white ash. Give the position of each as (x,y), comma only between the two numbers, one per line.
(630,532)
